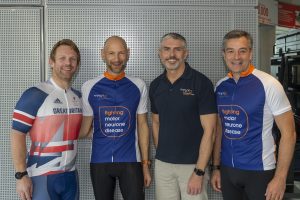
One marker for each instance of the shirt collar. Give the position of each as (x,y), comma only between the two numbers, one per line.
(114,77)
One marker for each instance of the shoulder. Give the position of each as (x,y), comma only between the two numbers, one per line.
(137,81)
(266,79)
(90,83)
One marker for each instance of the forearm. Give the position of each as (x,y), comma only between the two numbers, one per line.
(286,125)
(18,150)
(285,156)
(143,133)
(155,129)
(209,125)
(216,159)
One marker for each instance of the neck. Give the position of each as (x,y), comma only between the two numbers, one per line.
(175,74)
(61,83)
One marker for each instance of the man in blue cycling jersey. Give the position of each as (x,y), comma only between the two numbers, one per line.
(249,101)
(116,104)
(51,114)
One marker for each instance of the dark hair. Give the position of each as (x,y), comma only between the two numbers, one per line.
(175,36)
(66,42)
(237,34)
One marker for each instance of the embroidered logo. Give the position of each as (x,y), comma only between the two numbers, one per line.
(187,92)
(57,101)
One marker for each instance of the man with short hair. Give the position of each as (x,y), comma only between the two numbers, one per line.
(51,113)
(116,104)
(184,118)
(249,101)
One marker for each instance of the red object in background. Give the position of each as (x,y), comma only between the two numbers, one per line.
(288,15)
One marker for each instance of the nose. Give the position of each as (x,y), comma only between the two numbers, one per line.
(236,55)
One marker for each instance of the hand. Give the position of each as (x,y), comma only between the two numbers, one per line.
(275,189)
(147,176)
(194,186)
(216,180)
(24,188)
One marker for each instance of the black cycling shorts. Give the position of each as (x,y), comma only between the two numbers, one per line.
(130,176)
(239,184)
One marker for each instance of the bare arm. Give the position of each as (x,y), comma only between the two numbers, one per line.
(19,151)
(86,126)
(216,176)
(155,128)
(143,132)
(208,123)
(286,125)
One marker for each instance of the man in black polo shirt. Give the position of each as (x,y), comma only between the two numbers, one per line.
(184,119)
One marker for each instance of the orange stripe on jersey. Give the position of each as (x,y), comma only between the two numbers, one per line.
(114,78)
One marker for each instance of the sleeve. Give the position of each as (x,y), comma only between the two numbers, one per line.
(206,98)
(27,108)
(142,107)
(151,97)
(86,107)
(276,98)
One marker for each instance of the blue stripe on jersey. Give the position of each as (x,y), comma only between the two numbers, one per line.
(30,102)
(114,105)
(241,107)
(78,93)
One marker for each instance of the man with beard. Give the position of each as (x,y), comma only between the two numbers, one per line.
(50,113)
(116,103)
(184,118)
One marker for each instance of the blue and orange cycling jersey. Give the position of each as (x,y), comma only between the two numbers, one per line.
(114,104)
(247,109)
(52,117)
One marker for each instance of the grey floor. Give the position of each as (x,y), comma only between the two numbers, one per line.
(296,193)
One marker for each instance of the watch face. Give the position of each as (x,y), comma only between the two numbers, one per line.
(19,175)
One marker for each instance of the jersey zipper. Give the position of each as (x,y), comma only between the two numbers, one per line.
(68,121)
(231,141)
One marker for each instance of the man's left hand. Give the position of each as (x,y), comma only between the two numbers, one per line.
(275,189)
(147,176)
(194,186)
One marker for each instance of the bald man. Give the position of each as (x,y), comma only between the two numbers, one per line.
(116,104)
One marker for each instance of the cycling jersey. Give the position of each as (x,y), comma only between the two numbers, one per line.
(114,104)
(247,109)
(52,116)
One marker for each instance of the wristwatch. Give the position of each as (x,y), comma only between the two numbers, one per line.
(19,175)
(199,172)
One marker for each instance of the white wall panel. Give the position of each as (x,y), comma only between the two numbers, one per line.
(20,61)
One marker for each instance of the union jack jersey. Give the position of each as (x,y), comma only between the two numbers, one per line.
(52,117)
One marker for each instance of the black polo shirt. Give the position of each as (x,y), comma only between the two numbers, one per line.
(179,106)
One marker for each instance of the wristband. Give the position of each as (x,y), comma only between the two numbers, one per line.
(146,162)
(215,167)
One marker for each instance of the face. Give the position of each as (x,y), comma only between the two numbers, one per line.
(237,55)
(172,53)
(115,55)
(65,63)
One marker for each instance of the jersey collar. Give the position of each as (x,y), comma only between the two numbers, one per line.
(244,73)
(57,86)
(112,77)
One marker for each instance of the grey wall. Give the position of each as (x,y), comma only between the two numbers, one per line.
(89,23)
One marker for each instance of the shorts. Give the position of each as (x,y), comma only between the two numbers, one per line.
(130,176)
(63,186)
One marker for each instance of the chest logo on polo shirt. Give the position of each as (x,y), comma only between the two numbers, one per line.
(187,92)
(234,121)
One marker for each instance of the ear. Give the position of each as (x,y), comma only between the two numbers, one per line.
(102,54)
(51,62)
(128,53)
(186,54)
